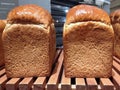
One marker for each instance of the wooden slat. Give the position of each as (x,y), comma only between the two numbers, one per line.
(65,82)
(12,84)
(59,86)
(99,87)
(57,55)
(116,79)
(73,87)
(91,84)
(53,81)
(116,66)
(26,84)
(3,80)
(116,59)
(106,84)
(40,83)
(80,84)
(2,72)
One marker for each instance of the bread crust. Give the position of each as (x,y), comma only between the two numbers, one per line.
(115,16)
(2,26)
(30,14)
(81,13)
(88,48)
(29,50)
(29,42)
(88,43)
(115,20)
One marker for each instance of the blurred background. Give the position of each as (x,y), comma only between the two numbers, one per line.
(58,9)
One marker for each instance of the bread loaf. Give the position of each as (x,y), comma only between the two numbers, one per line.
(29,42)
(88,42)
(115,20)
(2,26)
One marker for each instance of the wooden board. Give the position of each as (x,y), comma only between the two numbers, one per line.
(116,66)
(2,72)
(80,84)
(40,83)
(106,84)
(26,84)
(53,81)
(116,79)
(12,84)
(3,80)
(116,59)
(65,82)
(91,84)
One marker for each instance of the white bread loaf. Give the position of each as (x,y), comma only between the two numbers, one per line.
(2,26)
(29,42)
(115,20)
(88,42)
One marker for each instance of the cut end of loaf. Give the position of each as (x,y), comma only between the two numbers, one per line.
(88,48)
(27,50)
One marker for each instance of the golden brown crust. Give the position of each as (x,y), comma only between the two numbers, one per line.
(2,25)
(86,13)
(115,16)
(31,14)
(115,20)
(116,27)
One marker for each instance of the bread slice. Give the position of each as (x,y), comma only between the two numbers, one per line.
(115,20)
(29,42)
(88,43)
(2,26)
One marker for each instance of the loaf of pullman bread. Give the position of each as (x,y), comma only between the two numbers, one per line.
(88,42)
(2,26)
(29,42)
(115,20)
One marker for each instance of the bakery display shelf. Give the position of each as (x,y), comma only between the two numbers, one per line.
(58,81)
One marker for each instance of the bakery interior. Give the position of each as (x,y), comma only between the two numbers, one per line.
(57,81)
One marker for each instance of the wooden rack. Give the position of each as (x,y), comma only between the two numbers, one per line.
(58,81)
